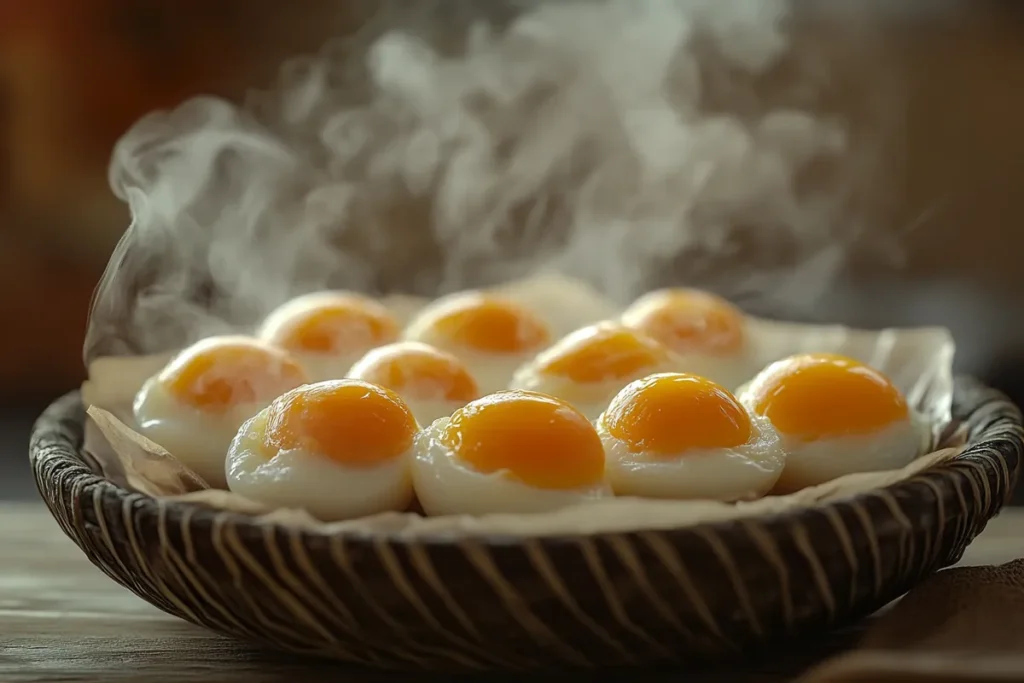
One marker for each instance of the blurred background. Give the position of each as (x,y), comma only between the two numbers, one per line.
(75,74)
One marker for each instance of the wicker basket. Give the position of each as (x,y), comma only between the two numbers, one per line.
(703,592)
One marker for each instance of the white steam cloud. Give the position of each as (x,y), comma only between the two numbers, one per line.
(627,142)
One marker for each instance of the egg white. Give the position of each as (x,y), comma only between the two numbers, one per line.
(590,398)
(564,303)
(810,463)
(298,478)
(198,439)
(319,366)
(327,366)
(743,472)
(426,411)
(492,371)
(403,307)
(729,371)
(445,486)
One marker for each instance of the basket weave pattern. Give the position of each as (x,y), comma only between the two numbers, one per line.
(702,592)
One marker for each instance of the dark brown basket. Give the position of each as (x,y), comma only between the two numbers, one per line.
(702,592)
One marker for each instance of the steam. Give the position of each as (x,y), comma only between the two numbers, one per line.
(625,142)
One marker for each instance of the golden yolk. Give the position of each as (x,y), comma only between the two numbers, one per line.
(604,352)
(216,375)
(539,440)
(688,320)
(826,395)
(489,325)
(349,421)
(345,324)
(671,413)
(418,371)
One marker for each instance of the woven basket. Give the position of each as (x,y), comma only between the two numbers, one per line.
(699,593)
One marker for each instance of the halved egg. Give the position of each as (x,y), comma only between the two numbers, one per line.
(432,382)
(588,367)
(836,416)
(328,331)
(511,451)
(707,332)
(338,449)
(491,335)
(195,405)
(675,435)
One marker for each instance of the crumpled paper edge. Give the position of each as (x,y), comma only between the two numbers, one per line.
(147,467)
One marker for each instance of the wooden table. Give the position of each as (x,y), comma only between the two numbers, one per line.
(63,620)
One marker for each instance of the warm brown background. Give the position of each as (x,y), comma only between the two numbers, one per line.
(74,75)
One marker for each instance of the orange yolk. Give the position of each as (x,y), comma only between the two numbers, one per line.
(688,320)
(215,376)
(539,440)
(418,371)
(825,395)
(669,414)
(604,352)
(349,421)
(345,324)
(489,325)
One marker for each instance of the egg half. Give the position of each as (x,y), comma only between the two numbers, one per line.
(338,449)
(491,335)
(588,367)
(675,435)
(709,334)
(511,451)
(194,406)
(433,383)
(836,416)
(328,331)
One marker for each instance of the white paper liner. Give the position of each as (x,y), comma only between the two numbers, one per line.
(919,361)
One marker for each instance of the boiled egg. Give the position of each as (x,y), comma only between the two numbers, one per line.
(708,333)
(491,335)
(194,406)
(836,416)
(675,435)
(588,367)
(433,383)
(511,451)
(338,449)
(564,303)
(328,331)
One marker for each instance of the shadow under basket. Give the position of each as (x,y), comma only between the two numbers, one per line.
(699,593)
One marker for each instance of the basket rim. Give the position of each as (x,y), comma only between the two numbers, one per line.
(995,439)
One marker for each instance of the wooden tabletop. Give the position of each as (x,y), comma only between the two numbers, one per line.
(61,619)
